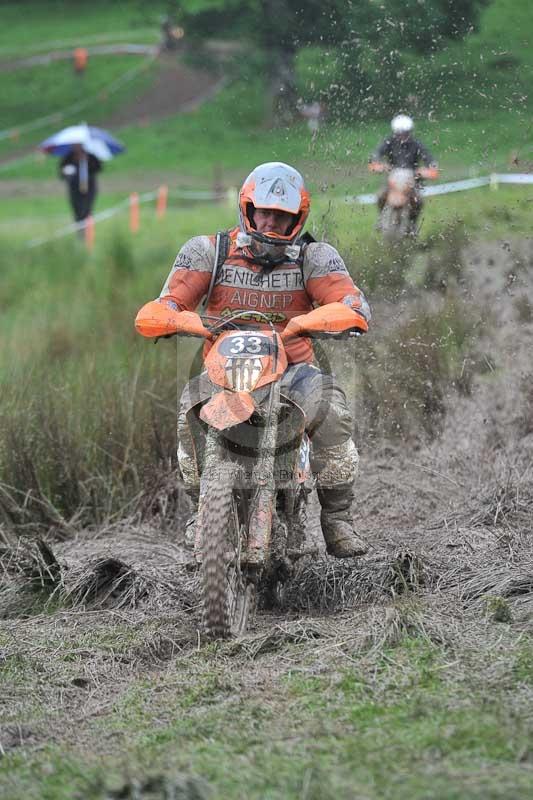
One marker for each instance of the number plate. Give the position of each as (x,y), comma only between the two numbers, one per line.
(245,345)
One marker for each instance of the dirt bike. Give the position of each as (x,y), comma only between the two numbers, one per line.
(255,467)
(396,221)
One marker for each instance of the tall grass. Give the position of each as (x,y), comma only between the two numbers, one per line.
(83,450)
(87,418)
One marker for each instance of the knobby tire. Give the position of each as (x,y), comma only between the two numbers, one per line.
(228,598)
(394,224)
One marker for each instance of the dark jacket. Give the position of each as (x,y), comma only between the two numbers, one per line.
(408,153)
(81,183)
(94,165)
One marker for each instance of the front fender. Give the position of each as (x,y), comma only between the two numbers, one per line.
(226,409)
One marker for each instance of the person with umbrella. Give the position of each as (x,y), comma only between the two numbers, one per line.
(82,149)
(79,169)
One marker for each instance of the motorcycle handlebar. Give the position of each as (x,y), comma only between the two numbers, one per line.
(353,333)
(230,323)
(419,172)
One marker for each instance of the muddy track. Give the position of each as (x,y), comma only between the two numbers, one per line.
(451,563)
(177,88)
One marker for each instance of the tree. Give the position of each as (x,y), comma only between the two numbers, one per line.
(369,37)
(274,30)
(385,62)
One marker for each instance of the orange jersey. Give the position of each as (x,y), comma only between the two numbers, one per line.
(292,288)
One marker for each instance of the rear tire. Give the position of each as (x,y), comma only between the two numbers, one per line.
(228,594)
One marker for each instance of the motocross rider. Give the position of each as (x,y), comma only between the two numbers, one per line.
(272,267)
(403,151)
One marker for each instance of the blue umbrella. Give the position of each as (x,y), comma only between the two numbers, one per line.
(97,141)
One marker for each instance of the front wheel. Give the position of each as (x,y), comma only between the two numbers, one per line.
(394,223)
(228,593)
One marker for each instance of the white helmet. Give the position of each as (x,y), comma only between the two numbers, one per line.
(402,124)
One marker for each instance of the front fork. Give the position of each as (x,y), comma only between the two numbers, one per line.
(264,498)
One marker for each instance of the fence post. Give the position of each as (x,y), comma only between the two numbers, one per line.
(134,212)
(218,188)
(81,57)
(89,232)
(161,204)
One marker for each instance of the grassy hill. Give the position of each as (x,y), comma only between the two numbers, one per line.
(478,114)
(31,26)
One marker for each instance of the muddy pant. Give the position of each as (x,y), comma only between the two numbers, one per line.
(328,423)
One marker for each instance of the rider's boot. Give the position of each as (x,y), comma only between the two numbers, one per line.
(337,521)
(415,207)
(380,202)
(193,492)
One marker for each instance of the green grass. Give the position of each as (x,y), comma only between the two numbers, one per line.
(411,722)
(55,86)
(493,68)
(227,133)
(29,93)
(69,24)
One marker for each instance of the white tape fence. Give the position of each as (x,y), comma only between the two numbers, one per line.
(230,195)
(125,205)
(454,186)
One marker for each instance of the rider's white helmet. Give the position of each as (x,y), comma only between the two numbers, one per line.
(402,124)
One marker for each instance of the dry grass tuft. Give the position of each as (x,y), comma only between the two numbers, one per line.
(179,787)
(332,585)
(32,559)
(30,575)
(109,583)
(405,619)
(507,501)
(273,639)
(138,570)
(115,583)
(406,573)
(499,581)
(504,503)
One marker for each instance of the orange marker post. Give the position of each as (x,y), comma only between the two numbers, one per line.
(81,57)
(134,212)
(89,232)
(161,203)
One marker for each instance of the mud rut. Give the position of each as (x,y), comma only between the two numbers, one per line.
(448,523)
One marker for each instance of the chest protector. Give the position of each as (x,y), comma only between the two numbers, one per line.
(240,284)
